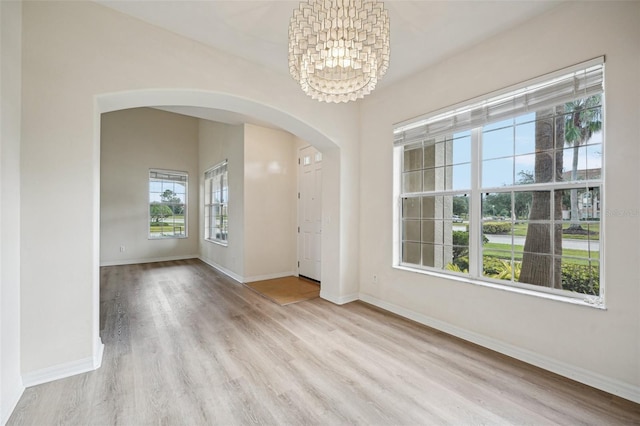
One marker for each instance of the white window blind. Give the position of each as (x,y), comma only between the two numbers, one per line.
(164,175)
(579,81)
(216,170)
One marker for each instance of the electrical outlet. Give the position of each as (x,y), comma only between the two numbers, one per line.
(122,249)
(375,279)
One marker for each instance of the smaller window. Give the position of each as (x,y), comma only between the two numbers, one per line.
(216,204)
(167,204)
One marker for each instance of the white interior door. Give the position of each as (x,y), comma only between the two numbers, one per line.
(309,212)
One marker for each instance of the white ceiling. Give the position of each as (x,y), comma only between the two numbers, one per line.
(422,32)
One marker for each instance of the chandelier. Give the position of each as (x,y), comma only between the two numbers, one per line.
(339,49)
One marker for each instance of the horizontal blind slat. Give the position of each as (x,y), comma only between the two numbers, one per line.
(216,170)
(529,97)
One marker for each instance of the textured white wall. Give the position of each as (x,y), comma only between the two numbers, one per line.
(132,142)
(269,201)
(601,347)
(80,59)
(75,53)
(219,142)
(10,84)
(262,178)
(262,203)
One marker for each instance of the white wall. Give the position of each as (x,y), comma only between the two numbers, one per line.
(81,59)
(262,204)
(270,203)
(219,142)
(10,84)
(262,169)
(599,347)
(132,142)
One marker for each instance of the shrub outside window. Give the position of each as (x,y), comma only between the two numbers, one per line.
(167,204)
(508,188)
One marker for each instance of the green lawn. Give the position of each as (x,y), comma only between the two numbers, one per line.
(168,224)
(520,230)
(155,227)
(503,251)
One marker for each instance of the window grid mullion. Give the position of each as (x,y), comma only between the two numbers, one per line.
(164,178)
(475,216)
(527,199)
(216,180)
(545,186)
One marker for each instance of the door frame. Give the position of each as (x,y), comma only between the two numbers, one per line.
(316,158)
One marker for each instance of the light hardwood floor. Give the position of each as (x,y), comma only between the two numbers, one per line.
(184,345)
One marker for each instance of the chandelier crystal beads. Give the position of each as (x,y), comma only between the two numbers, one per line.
(339,49)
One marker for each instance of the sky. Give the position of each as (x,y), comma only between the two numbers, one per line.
(508,147)
(156,188)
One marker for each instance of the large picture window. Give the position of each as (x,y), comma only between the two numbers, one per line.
(216,202)
(508,188)
(167,204)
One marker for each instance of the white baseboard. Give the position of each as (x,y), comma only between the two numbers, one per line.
(223,270)
(338,300)
(607,384)
(62,371)
(9,403)
(269,276)
(99,352)
(147,260)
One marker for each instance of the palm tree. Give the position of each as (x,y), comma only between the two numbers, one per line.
(541,259)
(583,119)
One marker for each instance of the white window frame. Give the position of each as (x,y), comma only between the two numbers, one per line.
(169,176)
(210,204)
(472,116)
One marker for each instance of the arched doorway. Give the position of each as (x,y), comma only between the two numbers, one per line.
(203,99)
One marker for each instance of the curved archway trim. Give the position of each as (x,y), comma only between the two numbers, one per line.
(197,98)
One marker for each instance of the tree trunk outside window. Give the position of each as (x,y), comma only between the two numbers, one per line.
(542,262)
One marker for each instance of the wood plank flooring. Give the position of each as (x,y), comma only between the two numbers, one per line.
(184,345)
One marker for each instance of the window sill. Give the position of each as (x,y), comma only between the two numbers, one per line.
(182,237)
(581,300)
(220,243)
